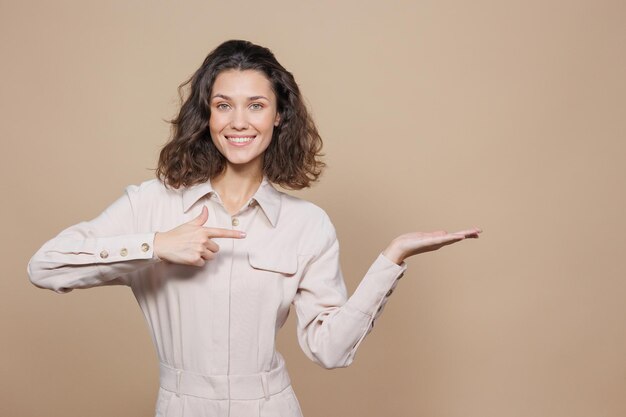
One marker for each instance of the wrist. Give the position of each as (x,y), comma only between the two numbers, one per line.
(157,245)
(393,253)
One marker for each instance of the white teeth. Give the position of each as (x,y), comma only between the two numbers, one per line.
(241,140)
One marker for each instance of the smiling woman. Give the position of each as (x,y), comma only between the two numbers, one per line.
(216,255)
(241,87)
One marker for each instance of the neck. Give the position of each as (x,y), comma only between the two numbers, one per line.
(237,183)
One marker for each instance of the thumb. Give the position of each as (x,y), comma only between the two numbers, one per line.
(201,218)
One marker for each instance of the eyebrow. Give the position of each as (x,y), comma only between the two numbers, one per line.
(228,98)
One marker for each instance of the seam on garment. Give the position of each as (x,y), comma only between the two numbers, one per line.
(257,208)
(368,315)
(230,289)
(365,332)
(266,388)
(195,396)
(99,269)
(305,267)
(352,353)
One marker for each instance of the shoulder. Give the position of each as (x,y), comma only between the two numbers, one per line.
(152,195)
(152,188)
(147,187)
(312,222)
(304,210)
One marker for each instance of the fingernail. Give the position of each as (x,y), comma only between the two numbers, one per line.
(243,234)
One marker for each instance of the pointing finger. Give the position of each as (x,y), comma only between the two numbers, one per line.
(217,232)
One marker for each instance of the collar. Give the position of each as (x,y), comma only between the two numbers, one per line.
(266,195)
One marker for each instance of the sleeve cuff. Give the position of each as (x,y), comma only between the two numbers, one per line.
(124,248)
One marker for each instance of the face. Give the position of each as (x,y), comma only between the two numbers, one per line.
(243,116)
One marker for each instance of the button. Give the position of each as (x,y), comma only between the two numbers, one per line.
(389,293)
(235,221)
(145,247)
(104,254)
(400,276)
(123,251)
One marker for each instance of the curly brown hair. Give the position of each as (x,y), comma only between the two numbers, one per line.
(190,156)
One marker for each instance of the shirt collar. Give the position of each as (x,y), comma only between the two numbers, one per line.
(266,196)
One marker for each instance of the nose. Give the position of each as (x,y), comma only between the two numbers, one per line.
(238,120)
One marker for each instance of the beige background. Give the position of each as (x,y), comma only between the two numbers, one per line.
(436,115)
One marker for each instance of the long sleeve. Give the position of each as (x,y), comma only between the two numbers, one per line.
(331,326)
(96,252)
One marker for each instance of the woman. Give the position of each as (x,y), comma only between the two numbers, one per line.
(215,255)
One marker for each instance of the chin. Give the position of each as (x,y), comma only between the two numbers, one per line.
(241,160)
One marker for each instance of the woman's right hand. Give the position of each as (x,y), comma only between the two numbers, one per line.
(190,243)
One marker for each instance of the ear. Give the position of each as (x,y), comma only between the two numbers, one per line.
(277,119)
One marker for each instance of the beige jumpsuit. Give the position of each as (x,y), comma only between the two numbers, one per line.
(214,327)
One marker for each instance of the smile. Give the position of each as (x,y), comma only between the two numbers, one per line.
(240,140)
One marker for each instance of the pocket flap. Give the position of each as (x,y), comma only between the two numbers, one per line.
(283,261)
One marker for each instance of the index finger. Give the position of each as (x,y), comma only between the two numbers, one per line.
(218,232)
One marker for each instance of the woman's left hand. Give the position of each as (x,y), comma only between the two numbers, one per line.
(410,244)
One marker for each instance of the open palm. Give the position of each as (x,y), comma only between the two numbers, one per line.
(412,243)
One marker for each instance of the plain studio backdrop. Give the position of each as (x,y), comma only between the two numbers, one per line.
(507,115)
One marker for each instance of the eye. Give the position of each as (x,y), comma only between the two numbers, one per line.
(219,106)
(256,106)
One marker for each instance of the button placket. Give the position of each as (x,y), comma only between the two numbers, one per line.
(244,216)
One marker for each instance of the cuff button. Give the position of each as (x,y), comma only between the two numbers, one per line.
(145,247)
(123,251)
(104,254)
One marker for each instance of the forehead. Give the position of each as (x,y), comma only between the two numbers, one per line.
(246,83)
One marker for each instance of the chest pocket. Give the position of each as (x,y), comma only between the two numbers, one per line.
(283,261)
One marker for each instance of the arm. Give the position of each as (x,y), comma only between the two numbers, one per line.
(106,249)
(331,326)
(97,252)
